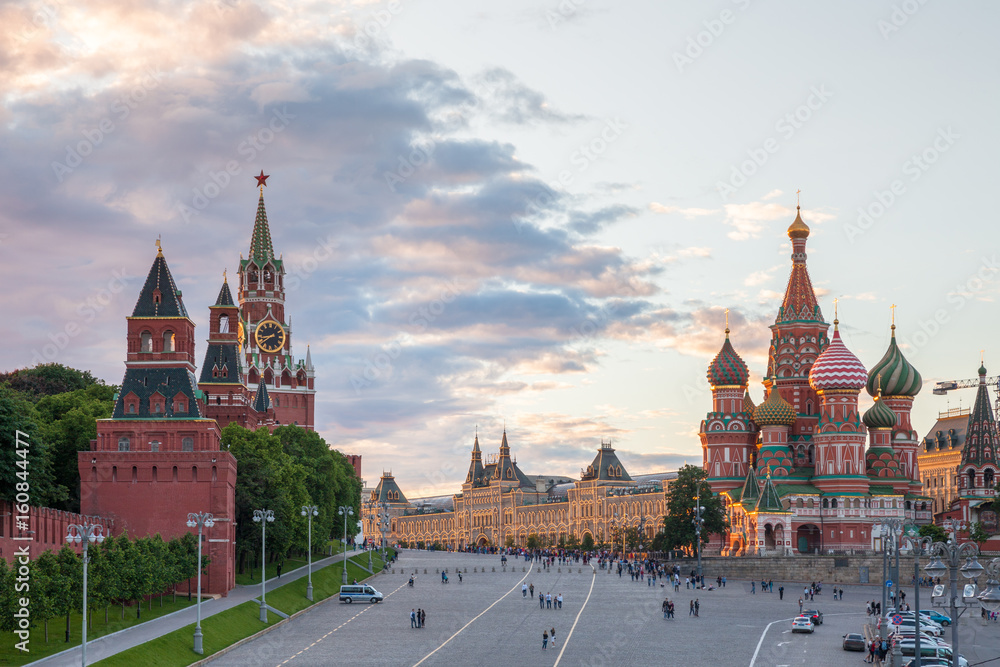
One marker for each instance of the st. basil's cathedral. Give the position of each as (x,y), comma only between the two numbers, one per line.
(794,472)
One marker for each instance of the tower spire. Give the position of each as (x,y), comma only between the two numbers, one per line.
(261,249)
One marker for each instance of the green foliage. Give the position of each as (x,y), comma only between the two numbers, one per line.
(6,597)
(935,532)
(678,524)
(588,542)
(533,541)
(978,534)
(47,380)
(68,424)
(17,414)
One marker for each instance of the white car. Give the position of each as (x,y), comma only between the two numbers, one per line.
(802,624)
(930,627)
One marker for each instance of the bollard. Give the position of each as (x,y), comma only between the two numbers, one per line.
(425,570)
(559,570)
(494,568)
(522,569)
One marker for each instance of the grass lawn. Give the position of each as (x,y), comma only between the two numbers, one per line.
(57,630)
(252,576)
(230,626)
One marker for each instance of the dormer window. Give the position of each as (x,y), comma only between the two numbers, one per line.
(157,298)
(131,408)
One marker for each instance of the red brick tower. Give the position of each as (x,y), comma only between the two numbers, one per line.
(158,456)
(265,335)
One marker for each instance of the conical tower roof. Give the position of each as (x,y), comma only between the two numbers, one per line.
(899,378)
(748,406)
(981,434)
(800,302)
(751,489)
(225,297)
(769,502)
(159,296)
(388,491)
(475,476)
(261,249)
(261,400)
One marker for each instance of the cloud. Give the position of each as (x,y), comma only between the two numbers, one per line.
(748,220)
(688,213)
(772,194)
(506,98)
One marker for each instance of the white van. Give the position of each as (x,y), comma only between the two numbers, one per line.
(908,648)
(359,592)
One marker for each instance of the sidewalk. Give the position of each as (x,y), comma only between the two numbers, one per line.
(108,645)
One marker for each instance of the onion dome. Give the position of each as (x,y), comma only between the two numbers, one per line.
(727,368)
(775,411)
(837,367)
(775,460)
(879,415)
(899,378)
(748,406)
(883,462)
(798,229)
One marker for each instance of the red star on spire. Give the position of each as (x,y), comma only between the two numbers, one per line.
(262,179)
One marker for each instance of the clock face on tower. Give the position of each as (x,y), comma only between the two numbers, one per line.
(270,336)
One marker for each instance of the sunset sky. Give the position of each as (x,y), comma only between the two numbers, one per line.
(520,213)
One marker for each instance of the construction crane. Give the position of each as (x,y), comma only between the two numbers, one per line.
(942,388)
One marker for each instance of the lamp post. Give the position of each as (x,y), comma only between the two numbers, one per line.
(918,546)
(383,517)
(886,527)
(954,553)
(345,511)
(87,533)
(990,598)
(202,520)
(698,522)
(309,511)
(263,517)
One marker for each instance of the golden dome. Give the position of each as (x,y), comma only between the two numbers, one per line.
(798,229)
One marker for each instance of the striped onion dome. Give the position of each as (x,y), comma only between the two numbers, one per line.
(727,368)
(837,367)
(898,377)
(775,411)
(879,415)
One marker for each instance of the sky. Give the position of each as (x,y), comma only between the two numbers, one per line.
(529,215)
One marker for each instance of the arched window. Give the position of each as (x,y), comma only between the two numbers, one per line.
(826,503)
(812,453)
(154,445)
(833,503)
(131,408)
(168,341)
(194,473)
(223,323)
(123,444)
(799,503)
(972,479)
(187,444)
(988,478)
(145,342)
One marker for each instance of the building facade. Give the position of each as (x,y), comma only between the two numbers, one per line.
(499,505)
(159,456)
(940,455)
(794,471)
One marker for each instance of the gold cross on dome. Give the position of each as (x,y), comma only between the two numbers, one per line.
(798,201)
(159,248)
(224,278)
(727,320)
(892,308)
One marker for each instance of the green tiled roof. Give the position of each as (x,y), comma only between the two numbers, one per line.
(167,382)
(769,501)
(261,249)
(879,490)
(169,303)
(796,490)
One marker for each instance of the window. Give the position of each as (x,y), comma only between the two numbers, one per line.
(223,323)
(194,473)
(131,408)
(145,342)
(154,446)
(187,444)
(168,341)
(123,444)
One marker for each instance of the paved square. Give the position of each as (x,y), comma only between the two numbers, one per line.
(620,624)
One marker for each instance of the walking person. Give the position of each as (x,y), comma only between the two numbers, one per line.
(541,600)
(423,617)
(800,605)
(413,618)
(552,636)
(548,600)
(781,592)
(753,588)
(664,606)
(697,606)
(531,590)
(419,611)
(691,609)
(524,591)
(545,639)
(559,601)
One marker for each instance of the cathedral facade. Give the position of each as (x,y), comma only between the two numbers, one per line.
(804,471)
(159,456)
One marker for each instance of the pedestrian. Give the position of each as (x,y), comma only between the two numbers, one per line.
(687,582)
(753,588)
(723,582)
(423,617)
(781,592)
(691,609)
(800,605)
(697,606)
(559,600)
(541,600)
(531,590)
(670,609)
(548,600)
(419,611)
(524,591)
(552,635)
(545,639)
(664,606)
(280,563)
(413,618)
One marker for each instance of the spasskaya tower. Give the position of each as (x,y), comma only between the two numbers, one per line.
(265,334)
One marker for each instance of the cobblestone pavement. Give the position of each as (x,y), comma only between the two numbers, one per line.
(486,619)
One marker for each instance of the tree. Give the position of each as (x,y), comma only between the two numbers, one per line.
(47,380)
(533,541)
(70,583)
(978,534)
(6,597)
(23,452)
(509,542)
(934,531)
(679,521)
(572,542)
(588,542)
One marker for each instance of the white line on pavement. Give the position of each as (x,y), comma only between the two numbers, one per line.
(577,619)
(762,635)
(480,614)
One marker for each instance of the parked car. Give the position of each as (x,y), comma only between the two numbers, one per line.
(816,616)
(926,625)
(936,616)
(802,624)
(900,635)
(907,648)
(854,641)
(936,662)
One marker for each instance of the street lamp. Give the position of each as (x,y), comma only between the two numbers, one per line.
(87,533)
(954,553)
(886,527)
(990,598)
(383,521)
(345,511)
(698,523)
(202,520)
(263,517)
(310,511)
(918,546)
